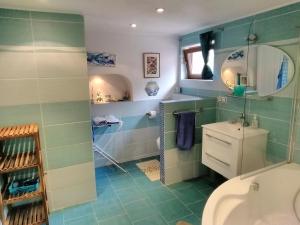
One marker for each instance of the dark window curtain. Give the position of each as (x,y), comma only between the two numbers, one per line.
(205,41)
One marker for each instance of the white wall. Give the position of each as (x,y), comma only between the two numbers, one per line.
(129,49)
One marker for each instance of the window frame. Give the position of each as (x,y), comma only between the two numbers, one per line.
(188,51)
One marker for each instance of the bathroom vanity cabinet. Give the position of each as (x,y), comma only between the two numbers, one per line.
(232,150)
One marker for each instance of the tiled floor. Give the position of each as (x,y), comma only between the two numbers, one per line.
(132,199)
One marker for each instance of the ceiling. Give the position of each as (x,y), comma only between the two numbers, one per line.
(180,17)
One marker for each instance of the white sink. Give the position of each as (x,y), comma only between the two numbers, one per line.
(234,130)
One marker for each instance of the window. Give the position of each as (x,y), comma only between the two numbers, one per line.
(194,61)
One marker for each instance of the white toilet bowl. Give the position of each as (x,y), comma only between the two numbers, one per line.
(158,142)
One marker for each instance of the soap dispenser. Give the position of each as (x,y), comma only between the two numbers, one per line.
(254,122)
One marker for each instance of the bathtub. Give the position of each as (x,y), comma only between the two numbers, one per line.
(271,197)
(180,98)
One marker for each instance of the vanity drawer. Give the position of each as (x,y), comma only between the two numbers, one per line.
(218,147)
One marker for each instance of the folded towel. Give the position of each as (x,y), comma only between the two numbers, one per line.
(185,136)
(105,120)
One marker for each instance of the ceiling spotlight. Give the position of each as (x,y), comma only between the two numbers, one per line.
(160,10)
(133,25)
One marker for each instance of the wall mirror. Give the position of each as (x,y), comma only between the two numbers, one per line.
(269,69)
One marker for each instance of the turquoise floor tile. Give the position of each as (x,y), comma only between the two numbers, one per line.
(130,195)
(197,207)
(145,184)
(201,184)
(180,185)
(172,210)
(122,182)
(56,218)
(139,210)
(108,211)
(189,195)
(117,220)
(132,199)
(135,173)
(157,220)
(83,220)
(192,219)
(159,195)
(77,211)
(207,192)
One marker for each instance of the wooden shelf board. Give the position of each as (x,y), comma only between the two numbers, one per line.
(11,199)
(30,214)
(18,131)
(11,163)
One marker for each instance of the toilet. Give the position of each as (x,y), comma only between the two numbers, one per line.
(158,143)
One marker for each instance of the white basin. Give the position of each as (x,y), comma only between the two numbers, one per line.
(234,130)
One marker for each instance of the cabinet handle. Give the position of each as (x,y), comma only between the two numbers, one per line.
(225,163)
(226,142)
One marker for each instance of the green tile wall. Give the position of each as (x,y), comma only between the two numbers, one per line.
(274,115)
(208,115)
(43,79)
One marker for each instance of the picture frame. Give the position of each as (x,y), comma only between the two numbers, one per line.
(102,59)
(151,63)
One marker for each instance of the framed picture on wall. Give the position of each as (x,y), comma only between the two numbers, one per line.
(151,65)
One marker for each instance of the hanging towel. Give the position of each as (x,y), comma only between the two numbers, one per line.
(185,125)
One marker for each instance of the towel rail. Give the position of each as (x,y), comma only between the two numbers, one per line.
(176,113)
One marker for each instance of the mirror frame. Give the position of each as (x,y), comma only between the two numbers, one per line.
(251,46)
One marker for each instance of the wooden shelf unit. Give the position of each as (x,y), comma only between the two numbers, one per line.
(34,211)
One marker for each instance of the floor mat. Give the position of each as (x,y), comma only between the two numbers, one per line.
(182,223)
(150,168)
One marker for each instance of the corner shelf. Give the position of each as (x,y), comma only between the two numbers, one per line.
(33,214)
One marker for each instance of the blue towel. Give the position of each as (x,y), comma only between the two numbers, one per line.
(185,125)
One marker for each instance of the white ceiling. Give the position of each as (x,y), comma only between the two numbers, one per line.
(180,17)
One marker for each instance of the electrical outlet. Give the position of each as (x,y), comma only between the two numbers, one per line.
(222,99)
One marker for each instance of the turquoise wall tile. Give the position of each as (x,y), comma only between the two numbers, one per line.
(57,34)
(14,13)
(154,122)
(67,134)
(15,32)
(205,117)
(170,140)
(206,103)
(234,104)
(198,135)
(276,152)
(21,114)
(56,16)
(278,108)
(177,106)
(66,112)
(169,122)
(277,24)
(69,155)
(278,27)
(235,36)
(134,122)
(225,115)
(279,130)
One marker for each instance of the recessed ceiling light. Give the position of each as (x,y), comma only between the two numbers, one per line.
(160,10)
(133,25)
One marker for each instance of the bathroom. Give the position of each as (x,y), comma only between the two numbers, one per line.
(107,85)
